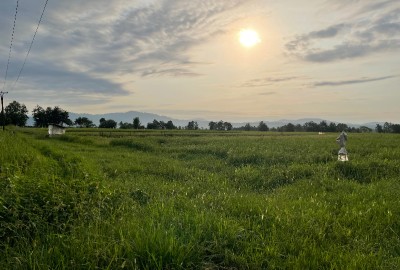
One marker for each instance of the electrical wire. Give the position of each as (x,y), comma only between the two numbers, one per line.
(30,47)
(11,44)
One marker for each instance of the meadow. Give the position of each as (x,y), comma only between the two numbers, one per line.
(100,199)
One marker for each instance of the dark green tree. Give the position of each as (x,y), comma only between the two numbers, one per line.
(43,118)
(387,127)
(40,117)
(262,126)
(396,128)
(341,127)
(227,126)
(311,126)
(323,126)
(220,125)
(378,128)
(84,122)
(212,125)
(107,123)
(170,125)
(247,127)
(125,125)
(136,123)
(16,114)
(192,125)
(156,125)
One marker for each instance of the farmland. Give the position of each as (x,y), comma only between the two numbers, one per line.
(99,199)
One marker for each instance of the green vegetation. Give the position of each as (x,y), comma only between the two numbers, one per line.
(101,199)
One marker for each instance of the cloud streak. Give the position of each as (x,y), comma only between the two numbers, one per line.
(267,81)
(349,82)
(359,37)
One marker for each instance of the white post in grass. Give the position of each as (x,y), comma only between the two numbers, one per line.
(341,140)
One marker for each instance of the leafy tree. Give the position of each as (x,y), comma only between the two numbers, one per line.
(39,117)
(262,126)
(212,125)
(156,125)
(247,127)
(192,125)
(396,128)
(220,125)
(107,123)
(323,126)
(311,126)
(227,126)
(387,127)
(136,123)
(170,125)
(378,128)
(125,125)
(57,116)
(289,127)
(298,128)
(332,127)
(341,127)
(83,122)
(16,114)
(43,118)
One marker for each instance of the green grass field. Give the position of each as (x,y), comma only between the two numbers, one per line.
(100,199)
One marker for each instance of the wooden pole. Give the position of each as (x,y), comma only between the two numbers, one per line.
(2,108)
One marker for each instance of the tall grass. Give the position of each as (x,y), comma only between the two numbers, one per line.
(185,200)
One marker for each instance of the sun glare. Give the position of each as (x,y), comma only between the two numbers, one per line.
(249,38)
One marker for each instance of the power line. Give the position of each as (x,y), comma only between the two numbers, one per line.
(11,44)
(30,47)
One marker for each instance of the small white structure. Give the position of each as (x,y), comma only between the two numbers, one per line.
(341,140)
(56,130)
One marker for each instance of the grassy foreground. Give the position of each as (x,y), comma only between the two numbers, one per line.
(198,200)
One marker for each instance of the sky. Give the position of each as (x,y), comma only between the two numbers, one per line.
(333,59)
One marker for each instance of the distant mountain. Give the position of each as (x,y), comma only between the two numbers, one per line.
(149,117)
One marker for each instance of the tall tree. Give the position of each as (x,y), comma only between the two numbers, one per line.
(16,114)
(39,117)
(58,116)
(323,126)
(136,123)
(220,125)
(341,127)
(170,125)
(212,125)
(387,127)
(262,126)
(192,125)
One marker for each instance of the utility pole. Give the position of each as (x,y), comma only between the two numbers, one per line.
(2,108)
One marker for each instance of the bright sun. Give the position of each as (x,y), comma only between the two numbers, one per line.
(249,38)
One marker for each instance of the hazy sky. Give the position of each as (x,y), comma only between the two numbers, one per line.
(333,59)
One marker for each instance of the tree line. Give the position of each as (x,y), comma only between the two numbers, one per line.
(17,114)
